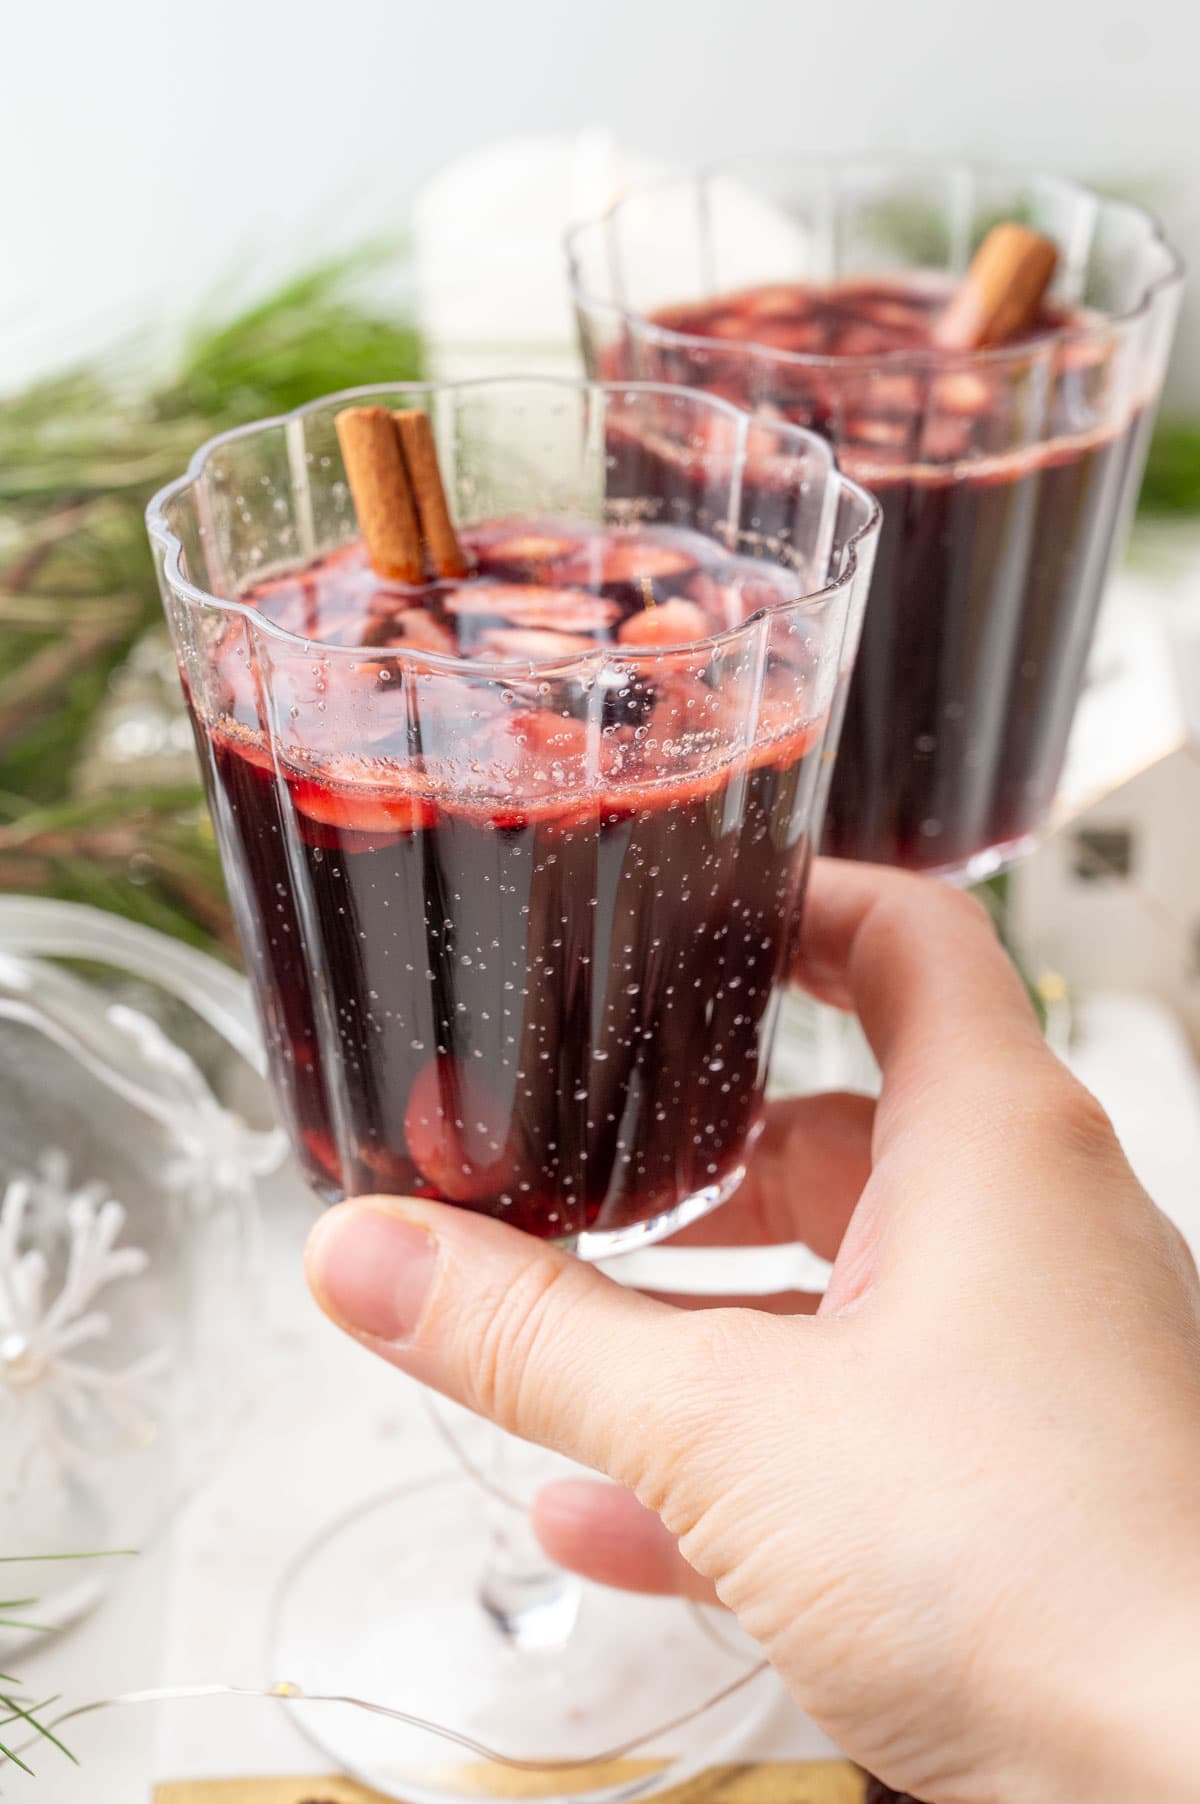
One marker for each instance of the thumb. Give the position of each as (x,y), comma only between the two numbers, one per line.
(537,1341)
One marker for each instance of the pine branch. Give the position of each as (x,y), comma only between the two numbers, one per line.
(80,455)
(23,692)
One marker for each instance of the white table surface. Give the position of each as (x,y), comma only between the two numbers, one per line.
(327,1426)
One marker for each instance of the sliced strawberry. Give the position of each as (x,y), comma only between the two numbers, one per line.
(733,324)
(778,301)
(530,604)
(621,802)
(361,795)
(870,429)
(630,560)
(759,591)
(529,550)
(519,645)
(673,622)
(547,735)
(582,816)
(321,1150)
(457,1133)
(743,591)
(551,813)
(719,602)
(960,392)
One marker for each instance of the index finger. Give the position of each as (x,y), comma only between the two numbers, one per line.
(920,964)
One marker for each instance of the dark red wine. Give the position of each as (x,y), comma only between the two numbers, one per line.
(1005,489)
(544,991)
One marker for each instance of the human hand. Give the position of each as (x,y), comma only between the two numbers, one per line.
(960,1506)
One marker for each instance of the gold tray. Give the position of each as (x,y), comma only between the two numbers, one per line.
(775,1782)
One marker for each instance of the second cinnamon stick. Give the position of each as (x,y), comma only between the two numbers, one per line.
(420,454)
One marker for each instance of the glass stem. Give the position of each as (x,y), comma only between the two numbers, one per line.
(532,1603)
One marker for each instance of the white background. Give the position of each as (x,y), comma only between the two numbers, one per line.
(150,149)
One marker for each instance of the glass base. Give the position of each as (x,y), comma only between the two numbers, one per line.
(606,1243)
(384,1606)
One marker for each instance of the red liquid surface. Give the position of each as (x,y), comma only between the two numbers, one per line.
(546,991)
(991,563)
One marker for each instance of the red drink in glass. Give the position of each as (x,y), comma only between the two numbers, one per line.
(518,859)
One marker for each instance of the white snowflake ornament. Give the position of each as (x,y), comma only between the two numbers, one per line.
(56,1403)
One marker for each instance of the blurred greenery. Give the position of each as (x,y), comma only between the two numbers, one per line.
(1171,484)
(80,455)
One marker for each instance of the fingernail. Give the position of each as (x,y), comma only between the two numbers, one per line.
(371,1271)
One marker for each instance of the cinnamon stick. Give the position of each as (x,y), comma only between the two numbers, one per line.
(1001,292)
(420,454)
(383,498)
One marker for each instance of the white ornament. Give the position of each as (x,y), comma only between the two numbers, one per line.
(217,1153)
(56,1404)
(48,1189)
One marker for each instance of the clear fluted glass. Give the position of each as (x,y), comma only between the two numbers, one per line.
(538,911)
(1007,476)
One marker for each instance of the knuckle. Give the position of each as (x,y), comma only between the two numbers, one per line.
(1084,1126)
(506,1367)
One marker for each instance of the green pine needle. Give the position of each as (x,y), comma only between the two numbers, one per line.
(17,1713)
(42,1559)
(30,1713)
(11,1754)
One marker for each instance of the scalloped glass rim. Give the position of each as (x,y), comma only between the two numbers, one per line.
(168,541)
(1076,333)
